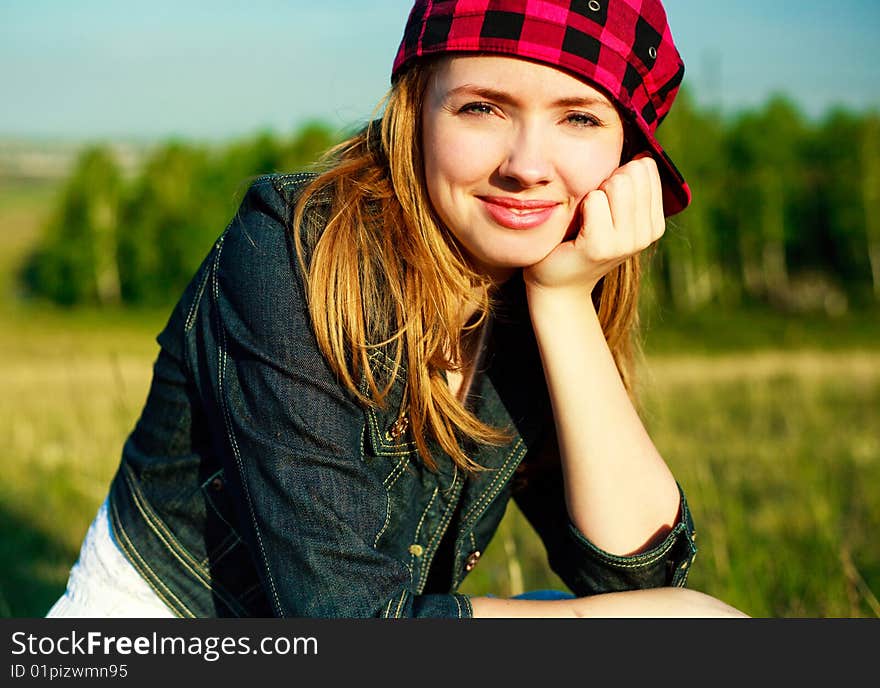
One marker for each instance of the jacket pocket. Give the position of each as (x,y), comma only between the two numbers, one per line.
(228,562)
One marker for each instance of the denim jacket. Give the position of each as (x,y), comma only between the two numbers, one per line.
(253,484)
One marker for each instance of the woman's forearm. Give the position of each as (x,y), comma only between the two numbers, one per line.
(619,492)
(650,603)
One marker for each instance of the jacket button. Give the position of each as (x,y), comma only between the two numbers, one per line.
(472,560)
(217,484)
(398,428)
(416,550)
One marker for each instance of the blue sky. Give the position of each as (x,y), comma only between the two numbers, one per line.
(209,70)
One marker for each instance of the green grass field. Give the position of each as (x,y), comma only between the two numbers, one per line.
(775,440)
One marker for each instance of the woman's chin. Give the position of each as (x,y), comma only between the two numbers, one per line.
(501,270)
(525,259)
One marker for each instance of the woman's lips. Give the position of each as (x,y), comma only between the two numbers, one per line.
(516,213)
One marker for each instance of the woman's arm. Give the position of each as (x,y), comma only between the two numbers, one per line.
(619,492)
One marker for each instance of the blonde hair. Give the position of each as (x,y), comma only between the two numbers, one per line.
(384,271)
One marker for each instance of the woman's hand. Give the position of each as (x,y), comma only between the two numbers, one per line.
(618,220)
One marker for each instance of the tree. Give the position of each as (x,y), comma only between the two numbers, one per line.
(689,253)
(870,192)
(840,199)
(765,184)
(164,237)
(76,260)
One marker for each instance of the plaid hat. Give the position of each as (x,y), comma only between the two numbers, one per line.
(623,46)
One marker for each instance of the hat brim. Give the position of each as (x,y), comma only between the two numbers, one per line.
(676,192)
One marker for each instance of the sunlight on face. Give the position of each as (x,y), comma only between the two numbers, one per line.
(511,148)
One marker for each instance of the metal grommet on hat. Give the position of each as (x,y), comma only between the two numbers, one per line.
(624,47)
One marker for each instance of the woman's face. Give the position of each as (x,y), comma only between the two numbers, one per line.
(511,148)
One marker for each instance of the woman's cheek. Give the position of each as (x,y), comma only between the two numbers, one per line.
(591,184)
(467,156)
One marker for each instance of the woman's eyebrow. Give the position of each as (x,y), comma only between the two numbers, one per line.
(585,102)
(482,92)
(507,99)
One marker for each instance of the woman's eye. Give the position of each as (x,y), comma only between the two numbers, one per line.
(582,119)
(477,108)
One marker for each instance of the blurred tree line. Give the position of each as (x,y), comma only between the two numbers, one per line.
(786,212)
(114,241)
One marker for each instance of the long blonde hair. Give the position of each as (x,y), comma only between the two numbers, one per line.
(383,270)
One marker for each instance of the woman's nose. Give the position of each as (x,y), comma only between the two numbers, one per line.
(526,161)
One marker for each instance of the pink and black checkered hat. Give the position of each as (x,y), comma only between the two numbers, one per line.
(623,46)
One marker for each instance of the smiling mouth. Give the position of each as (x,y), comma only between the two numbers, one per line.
(515,213)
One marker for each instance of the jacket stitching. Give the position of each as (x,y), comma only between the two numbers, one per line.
(652,556)
(457,605)
(233,442)
(441,529)
(412,557)
(425,513)
(399,610)
(190,318)
(382,443)
(153,580)
(638,560)
(380,448)
(682,581)
(382,359)
(488,495)
(399,470)
(285,181)
(173,545)
(384,448)
(387,496)
(237,455)
(387,521)
(167,538)
(467,603)
(160,588)
(398,376)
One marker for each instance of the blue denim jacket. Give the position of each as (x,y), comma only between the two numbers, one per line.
(254,485)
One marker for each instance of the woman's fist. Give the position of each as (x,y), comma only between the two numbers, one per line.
(618,220)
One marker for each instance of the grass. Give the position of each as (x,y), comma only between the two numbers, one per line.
(747,329)
(774,436)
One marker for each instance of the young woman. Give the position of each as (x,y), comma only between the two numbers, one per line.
(373,361)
